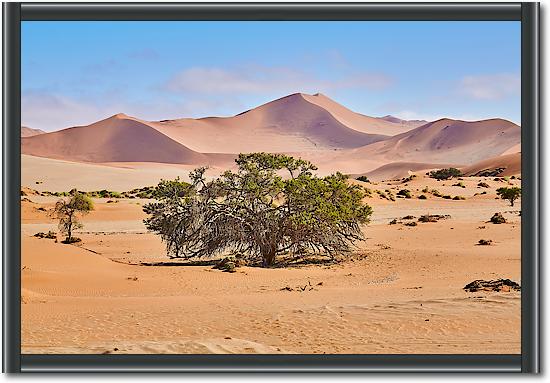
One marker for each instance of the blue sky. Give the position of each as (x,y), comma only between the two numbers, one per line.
(75,73)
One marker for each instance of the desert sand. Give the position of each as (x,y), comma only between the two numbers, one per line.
(401,290)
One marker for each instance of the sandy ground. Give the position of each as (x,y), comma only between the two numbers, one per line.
(401,292)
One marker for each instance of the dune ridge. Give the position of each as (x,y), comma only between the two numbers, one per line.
(313,127)
(29,132)
(510,163)
(447,141)
(119,138)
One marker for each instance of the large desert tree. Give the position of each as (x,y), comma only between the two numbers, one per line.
(273,204)
(68,212)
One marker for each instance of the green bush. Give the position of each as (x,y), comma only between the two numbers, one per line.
(445,174)
(404,193)
(510,194)
(498,218)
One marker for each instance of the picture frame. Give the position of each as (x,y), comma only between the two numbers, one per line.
(529,359)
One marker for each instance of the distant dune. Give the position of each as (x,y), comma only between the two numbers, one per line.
(510,162)
(409,123)
(29,132)
(397,170)
(446,141)
(360,122)
(294,123)
(119,138)
(313,127)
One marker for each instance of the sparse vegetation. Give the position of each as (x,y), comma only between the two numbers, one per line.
(510,194)
(432,217)
(48,235)
(404,193)
(445,174)
(67,211)
(427,218)
(408,179)
(258,213)
(498,218)
(436,193)
(485,242)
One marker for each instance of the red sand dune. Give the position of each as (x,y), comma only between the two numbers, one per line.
(116,139)
(397,120)
(511,163)
(29,132)
(396,170)
(360,122)
(290,124)
(446,141)
(310,126)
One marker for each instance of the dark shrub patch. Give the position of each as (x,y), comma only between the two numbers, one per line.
(445,174)
(484,242)
(498,218)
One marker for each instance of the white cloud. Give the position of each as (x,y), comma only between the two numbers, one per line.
(260,79)
(50,111)
(491,87)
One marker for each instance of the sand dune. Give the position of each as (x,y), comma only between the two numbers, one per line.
(119,138)
(513,149)
(29,132)
(409,123)
(510,162)
(397,170)
(360,122)
(446,141)
(289,124)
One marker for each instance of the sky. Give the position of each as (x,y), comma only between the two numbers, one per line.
(75,73)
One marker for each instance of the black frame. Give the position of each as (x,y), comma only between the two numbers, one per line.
(528,13)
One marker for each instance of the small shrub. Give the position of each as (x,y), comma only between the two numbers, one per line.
(409,217)
(483,185)
(446,197)
(363,179)
(436,193)
(458,197)
(498,218)
(445,174)
(425,190)
(404,193)
(460,184)
(227,265)
(70,240)
(411,223)
(484,242)
(422,196)
(427,218)
(48,235)
(393,221)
